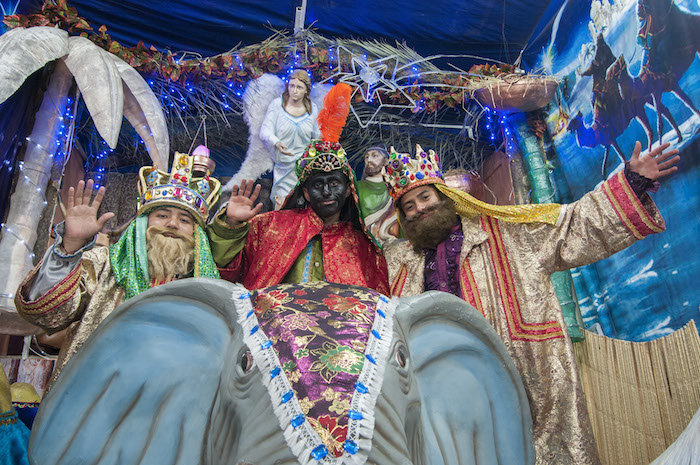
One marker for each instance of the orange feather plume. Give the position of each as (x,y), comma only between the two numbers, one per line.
(336,106)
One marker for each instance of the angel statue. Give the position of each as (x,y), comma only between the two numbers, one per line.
(281,128)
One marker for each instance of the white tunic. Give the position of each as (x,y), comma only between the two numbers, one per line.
(293,131)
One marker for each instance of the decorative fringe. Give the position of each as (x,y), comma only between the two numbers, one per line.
(303,439)
(256,98)
(372,376)
(336,107)
(641,395)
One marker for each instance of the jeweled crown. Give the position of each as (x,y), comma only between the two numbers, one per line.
(189,185)
(321,156)
(404,173)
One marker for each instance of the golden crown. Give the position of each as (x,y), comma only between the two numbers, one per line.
(321,156)
(188,185)
(404,173)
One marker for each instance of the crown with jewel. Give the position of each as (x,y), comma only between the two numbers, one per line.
(188,185)
(321,156)
(404,173)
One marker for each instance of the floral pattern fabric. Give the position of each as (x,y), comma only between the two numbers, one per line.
(320,332)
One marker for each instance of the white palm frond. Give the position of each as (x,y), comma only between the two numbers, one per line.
(143,110)
(100,83)
(25,50)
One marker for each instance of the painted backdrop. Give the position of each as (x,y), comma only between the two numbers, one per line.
(629,72)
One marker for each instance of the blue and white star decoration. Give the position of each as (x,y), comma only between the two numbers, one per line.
(370,79)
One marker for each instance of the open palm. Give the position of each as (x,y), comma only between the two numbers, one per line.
(81,222)
(656,164)
(241,206)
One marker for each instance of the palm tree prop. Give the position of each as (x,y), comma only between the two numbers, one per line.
(110,88)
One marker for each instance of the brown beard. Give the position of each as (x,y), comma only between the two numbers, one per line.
(427,231)
(372,170)
(168,257)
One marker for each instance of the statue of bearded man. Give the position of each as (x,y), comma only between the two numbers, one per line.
(376,205)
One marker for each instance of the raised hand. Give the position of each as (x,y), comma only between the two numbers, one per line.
(656,164)
(241,206)
(81,220)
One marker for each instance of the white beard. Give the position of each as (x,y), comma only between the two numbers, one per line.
(168,256)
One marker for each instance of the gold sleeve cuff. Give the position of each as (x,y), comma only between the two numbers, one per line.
(55,297)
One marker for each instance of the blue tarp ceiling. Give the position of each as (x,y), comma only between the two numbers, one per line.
(489,28)
(498,30)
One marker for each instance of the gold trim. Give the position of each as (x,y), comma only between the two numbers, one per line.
(400,276)
(506,289)
(638,207)
(55,297)
(620,211)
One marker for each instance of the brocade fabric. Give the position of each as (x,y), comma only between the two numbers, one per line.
(276,239)
(442,264)
(81,298)
(505,273)
(78,302)
(320,334)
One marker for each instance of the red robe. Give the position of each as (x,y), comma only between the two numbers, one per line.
(277,238)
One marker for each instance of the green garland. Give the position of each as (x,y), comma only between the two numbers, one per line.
(237,67)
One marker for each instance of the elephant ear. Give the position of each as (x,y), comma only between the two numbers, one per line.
(473,403)
(142,387)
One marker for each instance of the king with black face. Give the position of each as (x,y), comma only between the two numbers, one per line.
(326,193)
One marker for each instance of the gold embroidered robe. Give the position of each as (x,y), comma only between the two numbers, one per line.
(505,273)
(79,302)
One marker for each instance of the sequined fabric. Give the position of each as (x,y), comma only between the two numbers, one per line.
(442,264)
(94,288)
(467,205)
(404,173)
(80,302)
(505,273)
(320,334)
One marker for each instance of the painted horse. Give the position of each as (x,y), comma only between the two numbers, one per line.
(609,118)
(671,40)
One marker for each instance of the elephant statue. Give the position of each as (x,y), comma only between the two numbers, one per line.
(200,371)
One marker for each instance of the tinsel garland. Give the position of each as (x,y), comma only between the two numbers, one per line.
(238,66)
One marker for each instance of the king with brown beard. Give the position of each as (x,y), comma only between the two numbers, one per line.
(500,259)
(77,285)
(427,229)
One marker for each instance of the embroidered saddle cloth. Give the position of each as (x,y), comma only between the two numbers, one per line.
(321,348)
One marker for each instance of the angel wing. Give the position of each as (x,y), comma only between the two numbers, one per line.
(318,93)
(256,99)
